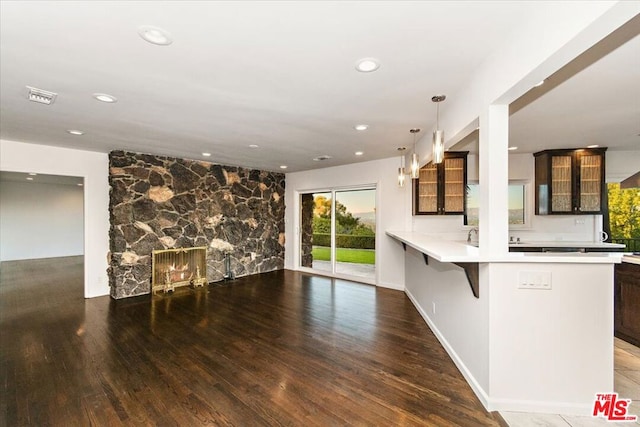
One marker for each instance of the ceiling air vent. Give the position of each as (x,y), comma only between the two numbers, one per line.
(321,158)
(41,96)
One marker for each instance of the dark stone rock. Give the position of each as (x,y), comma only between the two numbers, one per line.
(201,241)
(228,209)
(132,233)
(184,203)
(254,175)
(122,214)
(144,210)
(118,242)
(118,193)
(191,231)
(199,169)
(240,191)
(118,159)
(217,172)
(138,172)
(168,217)
(146,245)
(141,272)
(174,232)
(183,179)
(155,179)
(141,187)
(243,212)
(151,160)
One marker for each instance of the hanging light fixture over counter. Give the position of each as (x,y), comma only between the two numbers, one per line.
(415,164)
(438,135)
(401,172)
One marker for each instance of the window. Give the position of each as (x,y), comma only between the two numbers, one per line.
(518,205)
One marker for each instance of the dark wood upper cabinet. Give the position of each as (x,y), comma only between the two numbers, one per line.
(570,182)
(441,188)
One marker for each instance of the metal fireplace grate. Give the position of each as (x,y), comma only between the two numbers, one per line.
(172,268)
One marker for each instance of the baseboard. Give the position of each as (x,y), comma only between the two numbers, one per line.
(473,383)
(542,407)
(393,286)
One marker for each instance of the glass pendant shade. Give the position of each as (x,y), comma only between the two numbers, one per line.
(438,146)
(415,166)
(401,177)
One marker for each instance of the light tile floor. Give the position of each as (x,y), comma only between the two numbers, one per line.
(626,384)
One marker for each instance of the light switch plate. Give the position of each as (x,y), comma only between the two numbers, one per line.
(539,280)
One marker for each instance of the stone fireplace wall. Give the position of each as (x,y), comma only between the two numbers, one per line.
(162,202)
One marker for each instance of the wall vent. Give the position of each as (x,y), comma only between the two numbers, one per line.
(321,158)
(41,96)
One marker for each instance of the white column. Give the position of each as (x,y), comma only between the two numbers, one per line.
(494,180)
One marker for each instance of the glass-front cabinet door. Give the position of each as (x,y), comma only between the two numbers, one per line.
(427,189)
(590,183)
(561,184)
(454,185)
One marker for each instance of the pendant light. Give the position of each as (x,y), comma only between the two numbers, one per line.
(401,172)
(415,165)
(438,135)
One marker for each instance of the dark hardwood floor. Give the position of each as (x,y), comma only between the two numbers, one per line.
(281,348)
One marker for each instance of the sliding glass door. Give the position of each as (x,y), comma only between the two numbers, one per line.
(338,232)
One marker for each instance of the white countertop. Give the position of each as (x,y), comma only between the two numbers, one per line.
(566,244)
(455,251)
(631,259)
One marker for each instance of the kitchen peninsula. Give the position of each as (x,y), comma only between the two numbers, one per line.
(538,336)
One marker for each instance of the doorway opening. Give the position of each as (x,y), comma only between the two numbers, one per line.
(338,232)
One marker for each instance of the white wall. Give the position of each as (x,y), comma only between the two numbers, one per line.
(94,168)
(393,204)
(40,220)
(620,165)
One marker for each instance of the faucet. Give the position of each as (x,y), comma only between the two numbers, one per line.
(473,230)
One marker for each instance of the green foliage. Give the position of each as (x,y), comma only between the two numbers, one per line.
(624,212)
(346,223)
(345,241)
(359,256)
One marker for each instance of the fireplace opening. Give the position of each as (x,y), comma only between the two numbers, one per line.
(172,268)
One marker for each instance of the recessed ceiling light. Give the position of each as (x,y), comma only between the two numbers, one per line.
(367,65)
(253,146)
(361,127)
(33,174)
(283,167)
(206,154)
(29,178)
(155,35)
(513,148)
(103,97)
(539,84)
(593,146)
(75,132)
(359,153)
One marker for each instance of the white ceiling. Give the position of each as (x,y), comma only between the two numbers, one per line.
(281,75)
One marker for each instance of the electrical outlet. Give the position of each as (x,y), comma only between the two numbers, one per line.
(579,221)
(253,256)
(540,280)
(433,307)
